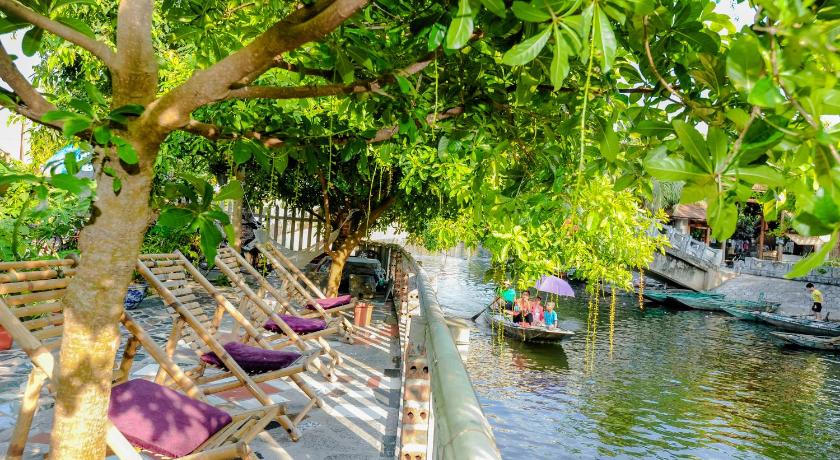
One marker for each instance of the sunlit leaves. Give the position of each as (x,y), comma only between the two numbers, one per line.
(461,28)
(603,39)
(526,51)
(744,64)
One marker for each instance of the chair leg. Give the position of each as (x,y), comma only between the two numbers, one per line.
(28,407)
(289,426)
(307,390)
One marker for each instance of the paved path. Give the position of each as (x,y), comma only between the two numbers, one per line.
(359,420)
(792,294)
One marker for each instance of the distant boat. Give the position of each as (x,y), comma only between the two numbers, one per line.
(679,297)
(528,333)
(717,303)
(740,313)
(807,341)
(801,325)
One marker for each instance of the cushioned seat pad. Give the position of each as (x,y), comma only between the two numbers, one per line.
(161,420)
(332,302)
(253,360)
(297,324)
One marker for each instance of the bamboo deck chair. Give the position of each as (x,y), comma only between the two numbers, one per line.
(284,326)
(170,275)
(31,310)
(315,299)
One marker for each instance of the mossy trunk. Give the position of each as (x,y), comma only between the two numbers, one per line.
(109,244)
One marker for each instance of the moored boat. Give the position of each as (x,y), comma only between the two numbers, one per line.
(717,304)
(527,333)
(740,313)
(807,341)
(801,325)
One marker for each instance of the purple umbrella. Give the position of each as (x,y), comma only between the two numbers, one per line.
(554,285)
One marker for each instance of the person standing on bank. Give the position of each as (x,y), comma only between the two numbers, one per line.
(817,298)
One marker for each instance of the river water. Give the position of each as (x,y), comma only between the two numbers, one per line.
(677,384)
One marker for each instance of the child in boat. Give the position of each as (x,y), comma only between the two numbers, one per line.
(817,298)
(522,308)
(537,311)
(550,316)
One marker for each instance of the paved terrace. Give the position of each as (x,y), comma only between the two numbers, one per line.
(358,421)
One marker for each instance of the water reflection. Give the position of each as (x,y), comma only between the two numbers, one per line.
(678,384)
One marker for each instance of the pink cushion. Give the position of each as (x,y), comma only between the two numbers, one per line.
(253,360)
(332,302)
(161,420)
(298,324)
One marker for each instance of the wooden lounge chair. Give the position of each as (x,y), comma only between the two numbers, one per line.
(315,299)
(284,327)
(238,364)
(31,310)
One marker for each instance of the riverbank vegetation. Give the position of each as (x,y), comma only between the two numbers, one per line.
(533,128)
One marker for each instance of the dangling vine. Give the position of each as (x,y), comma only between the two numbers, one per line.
(612,319)
(641,290)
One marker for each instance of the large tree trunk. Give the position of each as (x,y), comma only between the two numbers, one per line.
(110,244)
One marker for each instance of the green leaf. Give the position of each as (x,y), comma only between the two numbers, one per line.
(176,218)
(82,106)
(230,233)
(121,114)
(744,65)
(125,151)
(74,125)
(405,85)
(241,152)
(496,7)
(804,266)
(281,162)
(526,51)
(68,182)
(693,143)
(461,29)
(560,60)
(10,24)
(78,25)
(210,239)
(530,13)
(826,208)
(653,128)
(32,41)
(57,115)
(12,178)
(765,94)
(719,146)
(436,35)
(723,217)
(672,168)
(604,39)
(70,163)
(609,143)
(102,134)
(761,174)
(808,224)
(116,185)
(230,191)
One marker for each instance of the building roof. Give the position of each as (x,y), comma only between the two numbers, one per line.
(695,211)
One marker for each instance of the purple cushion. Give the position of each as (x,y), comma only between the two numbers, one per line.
(298,324)
(161,420)
(332,302)
(253,360)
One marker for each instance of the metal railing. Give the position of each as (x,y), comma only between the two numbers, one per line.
(441,415)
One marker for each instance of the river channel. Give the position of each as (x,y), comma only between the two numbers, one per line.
(677,384)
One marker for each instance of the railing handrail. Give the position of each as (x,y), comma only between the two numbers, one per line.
(460,429)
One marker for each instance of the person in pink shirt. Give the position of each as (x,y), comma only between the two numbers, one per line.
(537,311)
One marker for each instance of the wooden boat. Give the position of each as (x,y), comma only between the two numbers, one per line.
(717,304)
(529,333)
(807,341)
(801,325)
(669,296)
(740,313)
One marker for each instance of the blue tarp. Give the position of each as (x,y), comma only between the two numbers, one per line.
(55,165)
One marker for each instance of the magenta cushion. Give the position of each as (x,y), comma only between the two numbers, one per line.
(161,420)
(332,302)
(253,360)
(298,324)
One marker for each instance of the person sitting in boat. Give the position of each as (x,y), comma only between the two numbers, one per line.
(507,294)
(550,316)
(817,298)
(537,311)
(522,308)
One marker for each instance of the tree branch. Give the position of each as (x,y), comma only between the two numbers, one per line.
(97,48)
(35,105)
(296,92)
(656,73)
(136,69)
(306,24)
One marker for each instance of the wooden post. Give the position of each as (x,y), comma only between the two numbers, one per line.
(708,235)
(761,226)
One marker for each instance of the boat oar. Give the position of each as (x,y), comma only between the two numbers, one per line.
(475,317)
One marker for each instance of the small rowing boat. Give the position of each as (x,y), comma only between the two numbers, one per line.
(801,325)
(528,333)
(674,296)
(740,313)
(807,341)
(717,304)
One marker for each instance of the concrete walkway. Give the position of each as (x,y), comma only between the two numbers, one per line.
(359,420)
(793,296)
